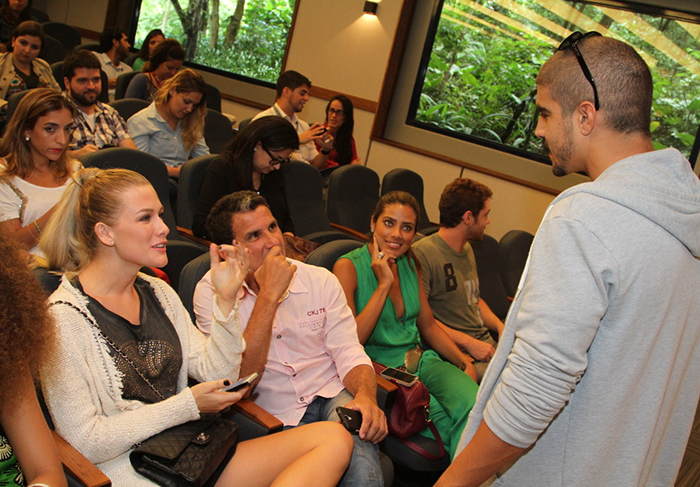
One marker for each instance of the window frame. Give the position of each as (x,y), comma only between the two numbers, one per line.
(133,27)
(406,70)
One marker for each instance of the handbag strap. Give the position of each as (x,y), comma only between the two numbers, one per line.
(92,322)
(422,451)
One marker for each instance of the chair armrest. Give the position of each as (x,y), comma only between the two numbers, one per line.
(189,235)
(77,466)
(252,412)
(253,420)
(386,393)
(353,233)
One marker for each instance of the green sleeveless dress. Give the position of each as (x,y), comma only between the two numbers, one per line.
(452,392)
(392,336)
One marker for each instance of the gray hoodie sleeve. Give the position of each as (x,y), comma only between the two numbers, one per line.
(572,277)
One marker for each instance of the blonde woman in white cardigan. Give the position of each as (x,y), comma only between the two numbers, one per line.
(106,228)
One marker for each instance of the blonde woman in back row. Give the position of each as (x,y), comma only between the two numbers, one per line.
(172,127)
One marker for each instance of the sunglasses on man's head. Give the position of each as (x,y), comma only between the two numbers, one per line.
(571,42)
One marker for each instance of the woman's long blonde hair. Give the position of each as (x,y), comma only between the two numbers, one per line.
(15,147)
(69,241)
(186,81)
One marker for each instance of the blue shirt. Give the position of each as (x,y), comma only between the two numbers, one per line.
(151,133)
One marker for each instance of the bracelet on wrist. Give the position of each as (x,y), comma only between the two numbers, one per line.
(38,228)
(325,152)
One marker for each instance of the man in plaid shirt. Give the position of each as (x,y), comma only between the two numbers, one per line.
(96,125)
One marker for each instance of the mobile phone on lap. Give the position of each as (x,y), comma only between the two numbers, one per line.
(399,376)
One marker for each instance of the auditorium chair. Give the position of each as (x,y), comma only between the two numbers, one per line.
(304,189)
(353,192)
(491,288)
(411,182)
(123,81)
(513,250)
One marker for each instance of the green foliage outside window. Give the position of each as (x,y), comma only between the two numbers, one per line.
(480,79)
(251,44)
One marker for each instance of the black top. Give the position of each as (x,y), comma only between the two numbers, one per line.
(153,345)
(219,181)
(31,80)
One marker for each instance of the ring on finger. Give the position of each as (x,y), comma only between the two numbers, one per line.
(380,255)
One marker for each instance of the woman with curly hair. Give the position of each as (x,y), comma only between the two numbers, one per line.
(166,60)
(26,340)
(152,39)
(172,127)
(35,166)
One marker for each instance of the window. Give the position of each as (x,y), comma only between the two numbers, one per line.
(240,37)
(476,79)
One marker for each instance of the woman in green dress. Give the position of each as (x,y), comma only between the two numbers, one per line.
(382,284)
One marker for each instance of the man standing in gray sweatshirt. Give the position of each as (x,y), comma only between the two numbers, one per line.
(595,379)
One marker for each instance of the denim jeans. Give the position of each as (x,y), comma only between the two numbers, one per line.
(364,469)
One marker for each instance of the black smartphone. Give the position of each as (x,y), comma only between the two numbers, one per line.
(241,383)
(351,419)
(403,378)
(322,131)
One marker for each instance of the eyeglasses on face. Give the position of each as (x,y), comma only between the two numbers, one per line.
(571,42)
(275,160)
(333,111)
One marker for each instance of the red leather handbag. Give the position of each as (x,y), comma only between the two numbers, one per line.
(410,415)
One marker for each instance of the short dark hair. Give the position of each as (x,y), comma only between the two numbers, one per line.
(79,59)
(460,196)
(108,35)
(624,82)
(292,80)
(29,28)
(220,220)
(169,49)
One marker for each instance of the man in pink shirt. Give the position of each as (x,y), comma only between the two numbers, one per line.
(301,336)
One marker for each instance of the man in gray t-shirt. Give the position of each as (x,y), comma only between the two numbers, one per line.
(449,270)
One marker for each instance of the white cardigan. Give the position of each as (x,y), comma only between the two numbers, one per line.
(83,389)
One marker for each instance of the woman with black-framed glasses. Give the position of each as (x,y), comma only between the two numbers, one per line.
(340,123)
(251,163)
